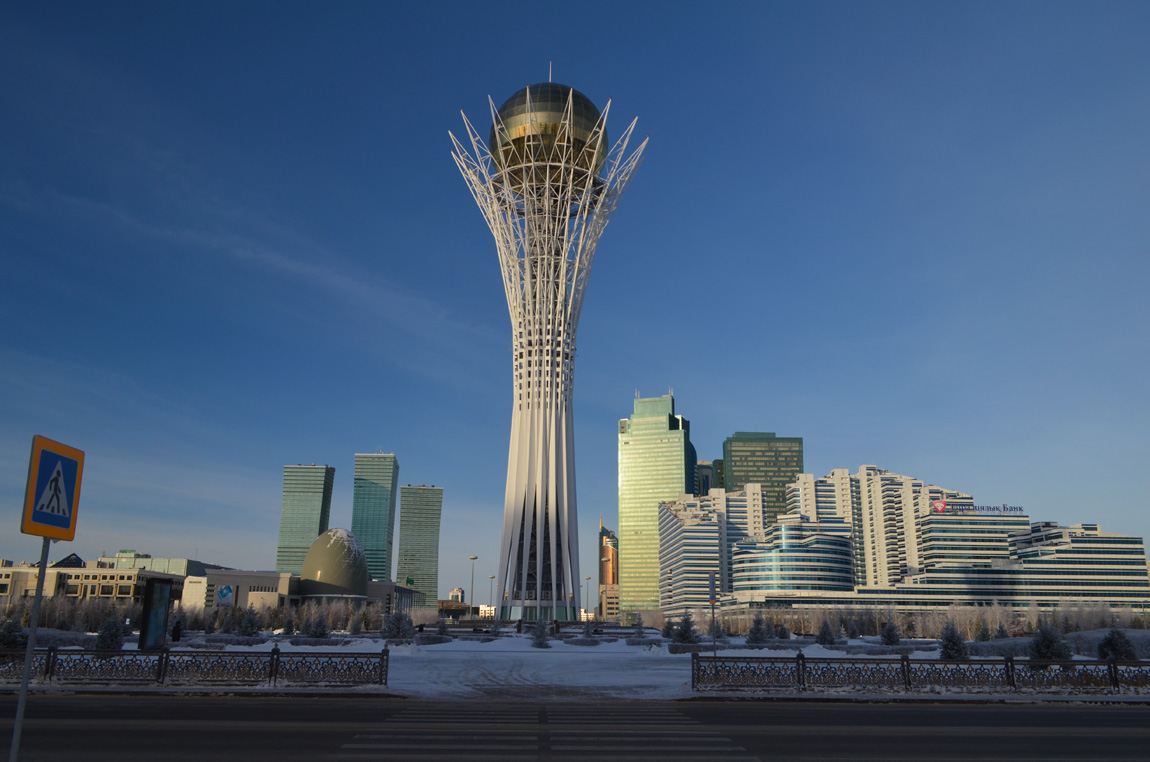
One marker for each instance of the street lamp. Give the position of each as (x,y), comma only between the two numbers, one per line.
(471,590)
(588,598)
(490,593)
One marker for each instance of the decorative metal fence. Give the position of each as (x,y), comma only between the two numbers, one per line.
(165,667)
(906,674)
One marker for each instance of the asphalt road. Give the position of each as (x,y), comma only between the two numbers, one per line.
(175,728)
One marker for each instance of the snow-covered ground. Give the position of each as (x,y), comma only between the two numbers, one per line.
(510,667)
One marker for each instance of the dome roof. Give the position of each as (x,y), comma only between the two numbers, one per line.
(334,565)
(521,136)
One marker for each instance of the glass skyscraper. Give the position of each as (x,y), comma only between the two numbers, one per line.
(305,514)
(767,460)
(418,566)
(656,463)
(373,509)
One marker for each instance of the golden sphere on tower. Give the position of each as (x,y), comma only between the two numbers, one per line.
(531,131)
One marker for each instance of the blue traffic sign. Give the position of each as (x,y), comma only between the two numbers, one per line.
(53,492)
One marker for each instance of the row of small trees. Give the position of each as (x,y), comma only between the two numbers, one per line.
(972,622)
(312,619)
(79,614)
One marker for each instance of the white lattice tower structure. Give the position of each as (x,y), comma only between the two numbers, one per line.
(547,186)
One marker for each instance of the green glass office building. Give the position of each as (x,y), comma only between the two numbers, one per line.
(418,566)
(373,509)
(656,463)
(305,514)
(754,457)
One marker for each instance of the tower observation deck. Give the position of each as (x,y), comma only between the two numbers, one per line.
(547,182)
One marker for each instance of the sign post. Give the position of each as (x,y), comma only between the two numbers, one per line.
(50,502)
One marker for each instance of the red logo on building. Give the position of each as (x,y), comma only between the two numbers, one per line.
(938,505)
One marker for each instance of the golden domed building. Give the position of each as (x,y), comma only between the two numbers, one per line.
(335,567)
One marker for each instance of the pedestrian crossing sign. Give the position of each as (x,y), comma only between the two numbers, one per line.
(53,492)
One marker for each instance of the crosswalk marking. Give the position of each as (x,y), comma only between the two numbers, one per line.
(553,733)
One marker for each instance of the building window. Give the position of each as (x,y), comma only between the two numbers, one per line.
(106,590)
(124,590)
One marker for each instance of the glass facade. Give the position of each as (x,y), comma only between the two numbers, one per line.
(373,510)
(767,460)
(692,547)
(794,556)
(656,464)
(608,557)
(305,514)
(418,566)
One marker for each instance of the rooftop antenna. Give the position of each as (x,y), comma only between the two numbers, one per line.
(636,394)
(671,390)
(549,71)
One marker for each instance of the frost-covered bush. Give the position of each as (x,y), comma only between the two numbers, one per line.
(826,636)
(1048,645)
(889,634)
(853,629)
(12,634)
(111,635)
(589,628)
(783,633)
(540,633)
(249,624)
(668,629)
(685,630)
(640,629)
(315,627)
(759,633)
(1118,646)
(441,627)
(356,626)
(951,644)
(1001,632)
(716,631)
(398,625)
(983,632)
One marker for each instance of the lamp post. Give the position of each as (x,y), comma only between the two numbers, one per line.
(585,600)
(491,593)
(471,590)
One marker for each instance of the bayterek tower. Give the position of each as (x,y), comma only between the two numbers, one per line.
(547,181)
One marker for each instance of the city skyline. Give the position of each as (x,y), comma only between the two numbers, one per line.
(922,249)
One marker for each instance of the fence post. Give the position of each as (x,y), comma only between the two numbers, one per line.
(384,665)
(801,669)
(49,664)
(1112,668)
(162,664)
(1008,665)
(906,672)
(273,668)
(694,670)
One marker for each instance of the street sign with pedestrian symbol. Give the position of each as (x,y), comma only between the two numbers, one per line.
(53,491)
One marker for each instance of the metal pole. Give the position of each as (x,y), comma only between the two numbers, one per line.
(471,591)
(491,593)
(14,751)
(714,635)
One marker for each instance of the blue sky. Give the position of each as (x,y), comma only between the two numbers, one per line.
(232,237)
